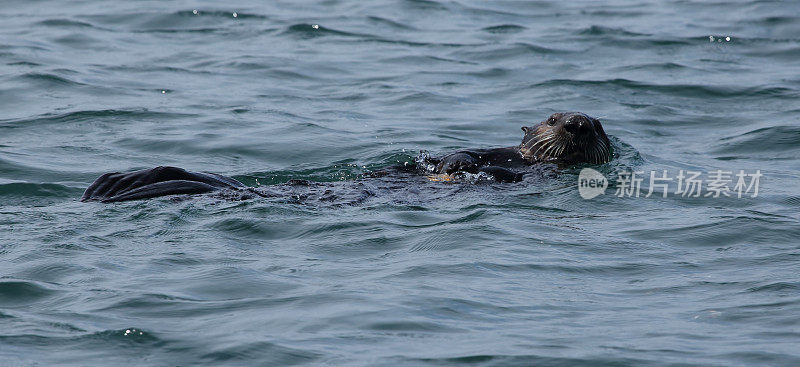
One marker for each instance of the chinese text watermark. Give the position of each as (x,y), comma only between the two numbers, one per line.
(684,183)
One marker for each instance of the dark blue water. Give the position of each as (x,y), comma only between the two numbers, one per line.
(420,273)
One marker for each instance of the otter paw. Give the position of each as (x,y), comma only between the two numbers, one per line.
(457,162)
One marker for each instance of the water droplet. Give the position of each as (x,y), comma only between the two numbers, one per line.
(315,26)
(727,39)
(711,38)
(163,91)
(235,15)
(195,12)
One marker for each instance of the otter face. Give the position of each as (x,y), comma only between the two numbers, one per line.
(566,137)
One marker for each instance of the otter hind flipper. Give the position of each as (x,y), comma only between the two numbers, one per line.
(172,187)
(159,181)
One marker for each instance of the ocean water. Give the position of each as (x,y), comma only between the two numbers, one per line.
(414,272)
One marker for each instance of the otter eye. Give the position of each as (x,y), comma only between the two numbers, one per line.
(551,121)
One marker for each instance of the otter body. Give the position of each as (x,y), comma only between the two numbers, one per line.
(564,139)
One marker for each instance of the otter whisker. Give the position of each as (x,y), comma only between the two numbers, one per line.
(561,149)
(604,154)
(544,142)
(539,141)
(546,153)
(539,153)
(531,143)
(528,151)
(551,148)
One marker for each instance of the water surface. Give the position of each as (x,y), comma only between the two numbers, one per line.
(427,274)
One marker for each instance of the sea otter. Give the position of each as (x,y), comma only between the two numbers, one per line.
(565,138)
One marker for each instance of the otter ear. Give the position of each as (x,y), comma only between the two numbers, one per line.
(525,129)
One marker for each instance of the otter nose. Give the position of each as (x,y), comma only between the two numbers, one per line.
(577,125)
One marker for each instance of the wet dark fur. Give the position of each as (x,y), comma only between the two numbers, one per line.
(564,138)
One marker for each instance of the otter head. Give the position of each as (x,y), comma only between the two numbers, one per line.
(566,137)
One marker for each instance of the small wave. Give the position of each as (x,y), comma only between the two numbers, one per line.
(14,293)
(218,14)
(54,272)
(184,21)
(419,44)
(249,228)
(725,231)
(25,189)
(82,41)
(424,60)
(389,22)
(787,288)
(488,360)
(265,353)
(129,337)
(65,23)
(620,37)
(680,90)
(426,97)
(49,80)
(763,140)
(190,30)
(305,30)
(413,326)
(473,268)
(597,30)
(508,51)
(495,73)
(309,31)
(788,52)
(504,28)
(776,20)
(614,13)
(792,201)
(424,5)
(644,43)
(88,115)
(24,63)
(656,66)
